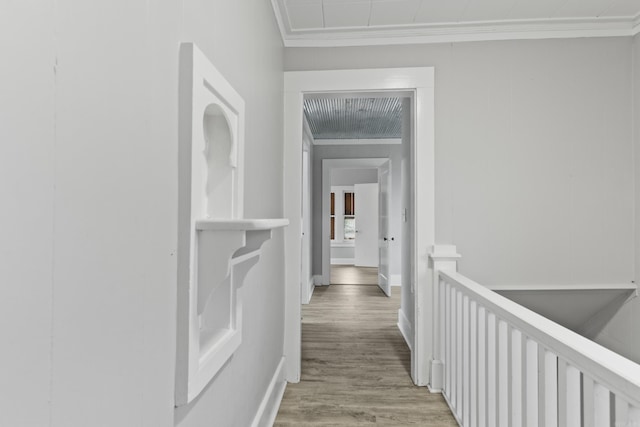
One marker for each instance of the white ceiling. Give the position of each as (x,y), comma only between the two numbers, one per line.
(365,22)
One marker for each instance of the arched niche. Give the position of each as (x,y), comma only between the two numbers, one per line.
(219,157)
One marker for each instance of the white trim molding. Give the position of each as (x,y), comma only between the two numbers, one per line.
(343,244)
(419,82)
(405,329)
(270,404)
(306,298)
(395,280)
(449,32)
(312,287)
(343,261)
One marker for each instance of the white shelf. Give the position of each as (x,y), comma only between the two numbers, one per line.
(240,224)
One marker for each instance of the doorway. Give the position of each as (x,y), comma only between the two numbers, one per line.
(351,222)
(417,286)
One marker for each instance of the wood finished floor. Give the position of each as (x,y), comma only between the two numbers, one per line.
(355,366)
(352,275)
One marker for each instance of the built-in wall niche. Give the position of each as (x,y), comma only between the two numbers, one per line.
(216,246)
(220,160)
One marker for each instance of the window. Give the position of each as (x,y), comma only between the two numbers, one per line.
(349,216)
(333,216)
(342,219)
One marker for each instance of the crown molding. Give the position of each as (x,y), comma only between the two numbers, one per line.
(636,25)
(457,32)
(279,13)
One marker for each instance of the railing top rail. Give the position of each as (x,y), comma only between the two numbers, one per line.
(619,374)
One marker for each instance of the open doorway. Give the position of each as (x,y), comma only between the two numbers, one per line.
(354,234)
(362,246)
(354,227)
(415,318)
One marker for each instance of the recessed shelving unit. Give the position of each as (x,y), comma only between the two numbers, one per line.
(216,246)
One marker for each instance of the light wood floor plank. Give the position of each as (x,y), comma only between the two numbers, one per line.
(355,366)
(352,275)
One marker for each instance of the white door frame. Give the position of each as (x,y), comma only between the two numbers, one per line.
(306,283)
(421,82)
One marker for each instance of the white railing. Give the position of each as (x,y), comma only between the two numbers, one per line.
(505,365)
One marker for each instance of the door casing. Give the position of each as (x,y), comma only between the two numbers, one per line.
(420,80)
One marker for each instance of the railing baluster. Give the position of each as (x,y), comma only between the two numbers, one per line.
(601,405)
(442,322)
(550,389)
(588,402)
(569,395)
(633,419)
(466,379)
(482,367)
(503,374)
(454,353)
(516,378)
(621,411)
(459,353)
(562,392)
(531,392)
(492,376)
(473,364)
(447,336)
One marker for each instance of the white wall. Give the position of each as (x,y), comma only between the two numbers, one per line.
(534,155)
(621,333)
(27,97)
(114,217)
(88,232)
(353,176)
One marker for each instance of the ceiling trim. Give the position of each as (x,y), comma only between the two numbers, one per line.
(636,25)
(279,13)
(455,32)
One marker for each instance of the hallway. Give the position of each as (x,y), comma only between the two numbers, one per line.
(355,366)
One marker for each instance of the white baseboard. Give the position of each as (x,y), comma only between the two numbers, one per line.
(268,410)
(305,296)
(312,287)
(405,329)
(343,261)
(395,280)
(317,280)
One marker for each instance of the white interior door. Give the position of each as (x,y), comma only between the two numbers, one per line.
(366,214)
(383,228)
